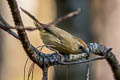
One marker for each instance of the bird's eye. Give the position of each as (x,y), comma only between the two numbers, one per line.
(81,47)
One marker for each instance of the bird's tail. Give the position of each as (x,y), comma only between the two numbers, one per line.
(37,23)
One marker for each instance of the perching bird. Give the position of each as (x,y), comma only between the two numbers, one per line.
(59,39)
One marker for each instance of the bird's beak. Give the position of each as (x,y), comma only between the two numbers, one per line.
(87,52)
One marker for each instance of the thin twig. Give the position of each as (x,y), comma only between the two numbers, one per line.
(73,58)
(69,15)
(30,15)
(88,71)
(31,51)
(33,72)
(5,26)
(74,13)
(3,21)
(85,61)
(99,51)
(25,67)
(30,70)
(18,23)
(28,28)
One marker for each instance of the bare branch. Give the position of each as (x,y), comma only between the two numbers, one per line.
(30,50)
(31,69)
(64,58)
(69,15)
(4,25)
(28,28)
(25,68)
(84,61)
(101,50)
(55,59)
(30,15)
(88,72)
(74,13)
(46,60)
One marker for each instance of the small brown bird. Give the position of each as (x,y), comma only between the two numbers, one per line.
(61,40)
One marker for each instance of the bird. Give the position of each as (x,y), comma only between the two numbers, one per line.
(61,40)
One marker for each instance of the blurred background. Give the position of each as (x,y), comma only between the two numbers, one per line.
(98,21)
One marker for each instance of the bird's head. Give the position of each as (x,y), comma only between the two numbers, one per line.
(83,48)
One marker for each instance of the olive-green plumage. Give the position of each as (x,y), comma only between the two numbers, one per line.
(61,40)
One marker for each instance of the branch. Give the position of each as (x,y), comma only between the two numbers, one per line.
(72,14)
(68,16)
(54,59)
(98,49)
(30,50)
(46,60)
(28,28)
(6,27)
